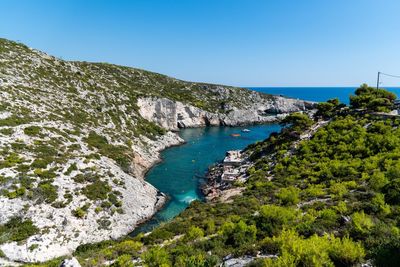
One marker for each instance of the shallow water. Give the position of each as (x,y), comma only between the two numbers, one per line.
(183,167)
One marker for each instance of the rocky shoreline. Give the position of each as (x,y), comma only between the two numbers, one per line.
(224,179)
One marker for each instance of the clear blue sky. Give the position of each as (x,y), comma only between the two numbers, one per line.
(236,42)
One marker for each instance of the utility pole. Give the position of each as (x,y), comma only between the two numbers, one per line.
(377,82)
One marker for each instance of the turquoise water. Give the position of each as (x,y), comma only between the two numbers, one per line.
(183,167)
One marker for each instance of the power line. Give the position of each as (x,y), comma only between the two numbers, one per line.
(390,75)
(381,73)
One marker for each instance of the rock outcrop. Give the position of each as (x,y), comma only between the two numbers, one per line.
(173,115)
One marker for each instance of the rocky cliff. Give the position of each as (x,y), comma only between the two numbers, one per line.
(77,137)
(173,115)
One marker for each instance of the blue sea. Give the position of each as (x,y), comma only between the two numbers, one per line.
(318,94)
(183,168)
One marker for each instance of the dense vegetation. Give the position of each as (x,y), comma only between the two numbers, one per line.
(372,98)
(331,198)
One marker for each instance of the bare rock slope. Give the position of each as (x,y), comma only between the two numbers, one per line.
(77,137)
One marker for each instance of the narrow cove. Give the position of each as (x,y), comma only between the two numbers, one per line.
(182,169)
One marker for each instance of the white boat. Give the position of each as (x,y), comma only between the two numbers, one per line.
(245,130)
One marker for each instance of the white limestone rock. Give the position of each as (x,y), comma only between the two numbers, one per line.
(174,114)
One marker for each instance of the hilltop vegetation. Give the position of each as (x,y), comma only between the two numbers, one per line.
(372,99)
(329,200)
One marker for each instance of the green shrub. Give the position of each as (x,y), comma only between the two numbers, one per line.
(20,191)
(14,121)
(33,247)
(17,229)
(392,191)
(104,223)
(361,222)
(106,204)
(298,121)
(313,191)
(345,252)
(238,234)
(377,180)
(32,130)
(372,98)
(158,235)
(45,174)
(11,160)
(123,261)
(98,209)
(96,190)
(114,200)
(79,213)
(194,233)
(71,168)
(12,194)
(46,192)
(378,204)
(19,146)
(272,218)
(7,131)
(338,190)
(40,163)
(156,256)
(289,195)
(198,259)
(327,250)
(45,151)
(117,153)
(128,247)
(327,218)
(23,168)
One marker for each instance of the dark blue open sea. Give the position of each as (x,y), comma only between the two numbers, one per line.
(318,94)
(183,167)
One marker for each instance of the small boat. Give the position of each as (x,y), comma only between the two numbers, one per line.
(245,130)
(235,135)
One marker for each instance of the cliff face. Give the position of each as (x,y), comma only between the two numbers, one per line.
(77,137)
(173,115)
